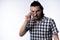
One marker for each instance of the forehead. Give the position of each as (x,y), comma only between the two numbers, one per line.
(34,8)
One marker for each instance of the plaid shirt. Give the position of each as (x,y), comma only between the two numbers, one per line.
(43,30)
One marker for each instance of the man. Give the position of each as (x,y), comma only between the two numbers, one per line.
(39,26)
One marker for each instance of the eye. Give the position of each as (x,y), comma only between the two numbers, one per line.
(37,10)
(32,11)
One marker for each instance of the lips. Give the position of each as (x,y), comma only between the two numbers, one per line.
(35,17)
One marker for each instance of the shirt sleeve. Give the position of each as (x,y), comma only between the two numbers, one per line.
(54,28)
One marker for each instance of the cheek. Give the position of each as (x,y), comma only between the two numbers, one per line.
(32,14)
(38,12)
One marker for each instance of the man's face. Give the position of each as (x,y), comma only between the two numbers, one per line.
(35,11)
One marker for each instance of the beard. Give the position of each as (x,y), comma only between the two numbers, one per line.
(36,17)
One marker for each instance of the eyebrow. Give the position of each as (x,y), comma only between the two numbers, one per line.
(36,11)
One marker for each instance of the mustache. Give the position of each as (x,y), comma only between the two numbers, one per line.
(35,16)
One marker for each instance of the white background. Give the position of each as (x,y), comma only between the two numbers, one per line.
(12,14)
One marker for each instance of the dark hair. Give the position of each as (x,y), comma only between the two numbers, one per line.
(36,3)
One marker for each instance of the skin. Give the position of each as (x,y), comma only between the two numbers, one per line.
(36,13)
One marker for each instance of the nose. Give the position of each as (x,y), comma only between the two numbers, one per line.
(35,14)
